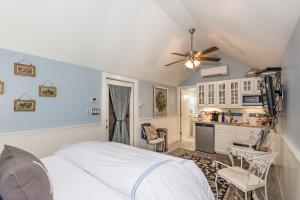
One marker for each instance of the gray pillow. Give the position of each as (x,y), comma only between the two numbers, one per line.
(23,176)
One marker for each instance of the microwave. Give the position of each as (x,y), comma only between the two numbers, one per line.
(252,100)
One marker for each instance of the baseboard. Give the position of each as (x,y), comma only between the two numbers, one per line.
(45,142)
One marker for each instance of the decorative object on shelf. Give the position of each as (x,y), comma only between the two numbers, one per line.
(1,87)
(160,101)
(47,89)
(21,105)
(22,69)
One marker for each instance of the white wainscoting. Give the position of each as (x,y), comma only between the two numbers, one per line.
(170,122)
(288,168)
(45,142)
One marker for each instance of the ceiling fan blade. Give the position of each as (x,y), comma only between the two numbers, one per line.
(209,59)
(179,54)
(174,62)
(211,49)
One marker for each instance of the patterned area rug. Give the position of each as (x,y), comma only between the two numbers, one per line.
(205,162)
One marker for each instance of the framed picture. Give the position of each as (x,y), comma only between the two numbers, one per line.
(24,105)
(160,101)
(47,91)
(24,70)
(1,88)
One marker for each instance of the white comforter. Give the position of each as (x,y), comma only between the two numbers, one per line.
(72,183)
(139,174)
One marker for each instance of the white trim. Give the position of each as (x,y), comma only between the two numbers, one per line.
(291,146)
(135,83)
(179,103)
(45,142)
(47,130)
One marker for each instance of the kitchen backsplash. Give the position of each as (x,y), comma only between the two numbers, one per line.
(250,115)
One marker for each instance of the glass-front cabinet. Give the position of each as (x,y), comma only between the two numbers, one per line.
(257,84)
(221,93)
(211,94)
(202,93)
(247,85)
(234,93)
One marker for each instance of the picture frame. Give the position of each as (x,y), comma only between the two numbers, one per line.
(160,101)
(1,88)
(24,69)
(24,105)
(47,91)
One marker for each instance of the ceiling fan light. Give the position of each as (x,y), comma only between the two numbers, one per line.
(189,64)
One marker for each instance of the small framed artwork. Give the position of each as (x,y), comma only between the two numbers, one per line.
(47,91)
(24,69)
(1,88)
(160,101)
(24,105)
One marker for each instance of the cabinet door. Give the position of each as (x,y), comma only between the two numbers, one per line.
(211,94)
(234,93)
(202,94)
(221,93)
(247,85)
(222,140)
(257,84)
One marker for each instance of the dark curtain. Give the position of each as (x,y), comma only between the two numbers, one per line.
(120,97)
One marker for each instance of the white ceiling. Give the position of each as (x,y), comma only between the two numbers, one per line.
(135,37)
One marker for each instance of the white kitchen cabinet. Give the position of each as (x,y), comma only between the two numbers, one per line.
(222,93)
(202,94)
(257,84)
(225,135)
(247,85)
(234,99)
(211,94)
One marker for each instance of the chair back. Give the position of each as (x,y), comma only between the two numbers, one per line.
(143,132)
(261,164)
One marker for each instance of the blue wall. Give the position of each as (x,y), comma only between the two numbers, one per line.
(291,73)
(146,97)
(236,70)
(75,84)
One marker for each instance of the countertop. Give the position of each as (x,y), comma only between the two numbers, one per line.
(229,124)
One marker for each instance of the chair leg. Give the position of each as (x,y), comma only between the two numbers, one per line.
(216,183)
(246,197)
(154,147)
(266,192)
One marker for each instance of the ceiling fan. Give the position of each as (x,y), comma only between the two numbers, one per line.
(194,58)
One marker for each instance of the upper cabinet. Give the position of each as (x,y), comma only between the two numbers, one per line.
(257,84)
(227,93)
(247,85)
(211,94)
(222,93)
(234,93)
(202,93)
(251,85)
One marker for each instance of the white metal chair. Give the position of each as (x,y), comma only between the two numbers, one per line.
(153,142)
(247,180)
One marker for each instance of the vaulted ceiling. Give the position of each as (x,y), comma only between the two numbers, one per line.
(135,37)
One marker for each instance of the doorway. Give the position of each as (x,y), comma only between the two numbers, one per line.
(111,118)
(188,109)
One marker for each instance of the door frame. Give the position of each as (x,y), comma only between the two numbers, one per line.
(179,105)
(107,79)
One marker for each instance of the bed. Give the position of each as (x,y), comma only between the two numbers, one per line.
(107,170)
(72,183)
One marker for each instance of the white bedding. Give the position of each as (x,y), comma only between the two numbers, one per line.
(71,183)
(139,174)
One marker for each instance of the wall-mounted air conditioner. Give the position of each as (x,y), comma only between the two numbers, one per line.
(215,71)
